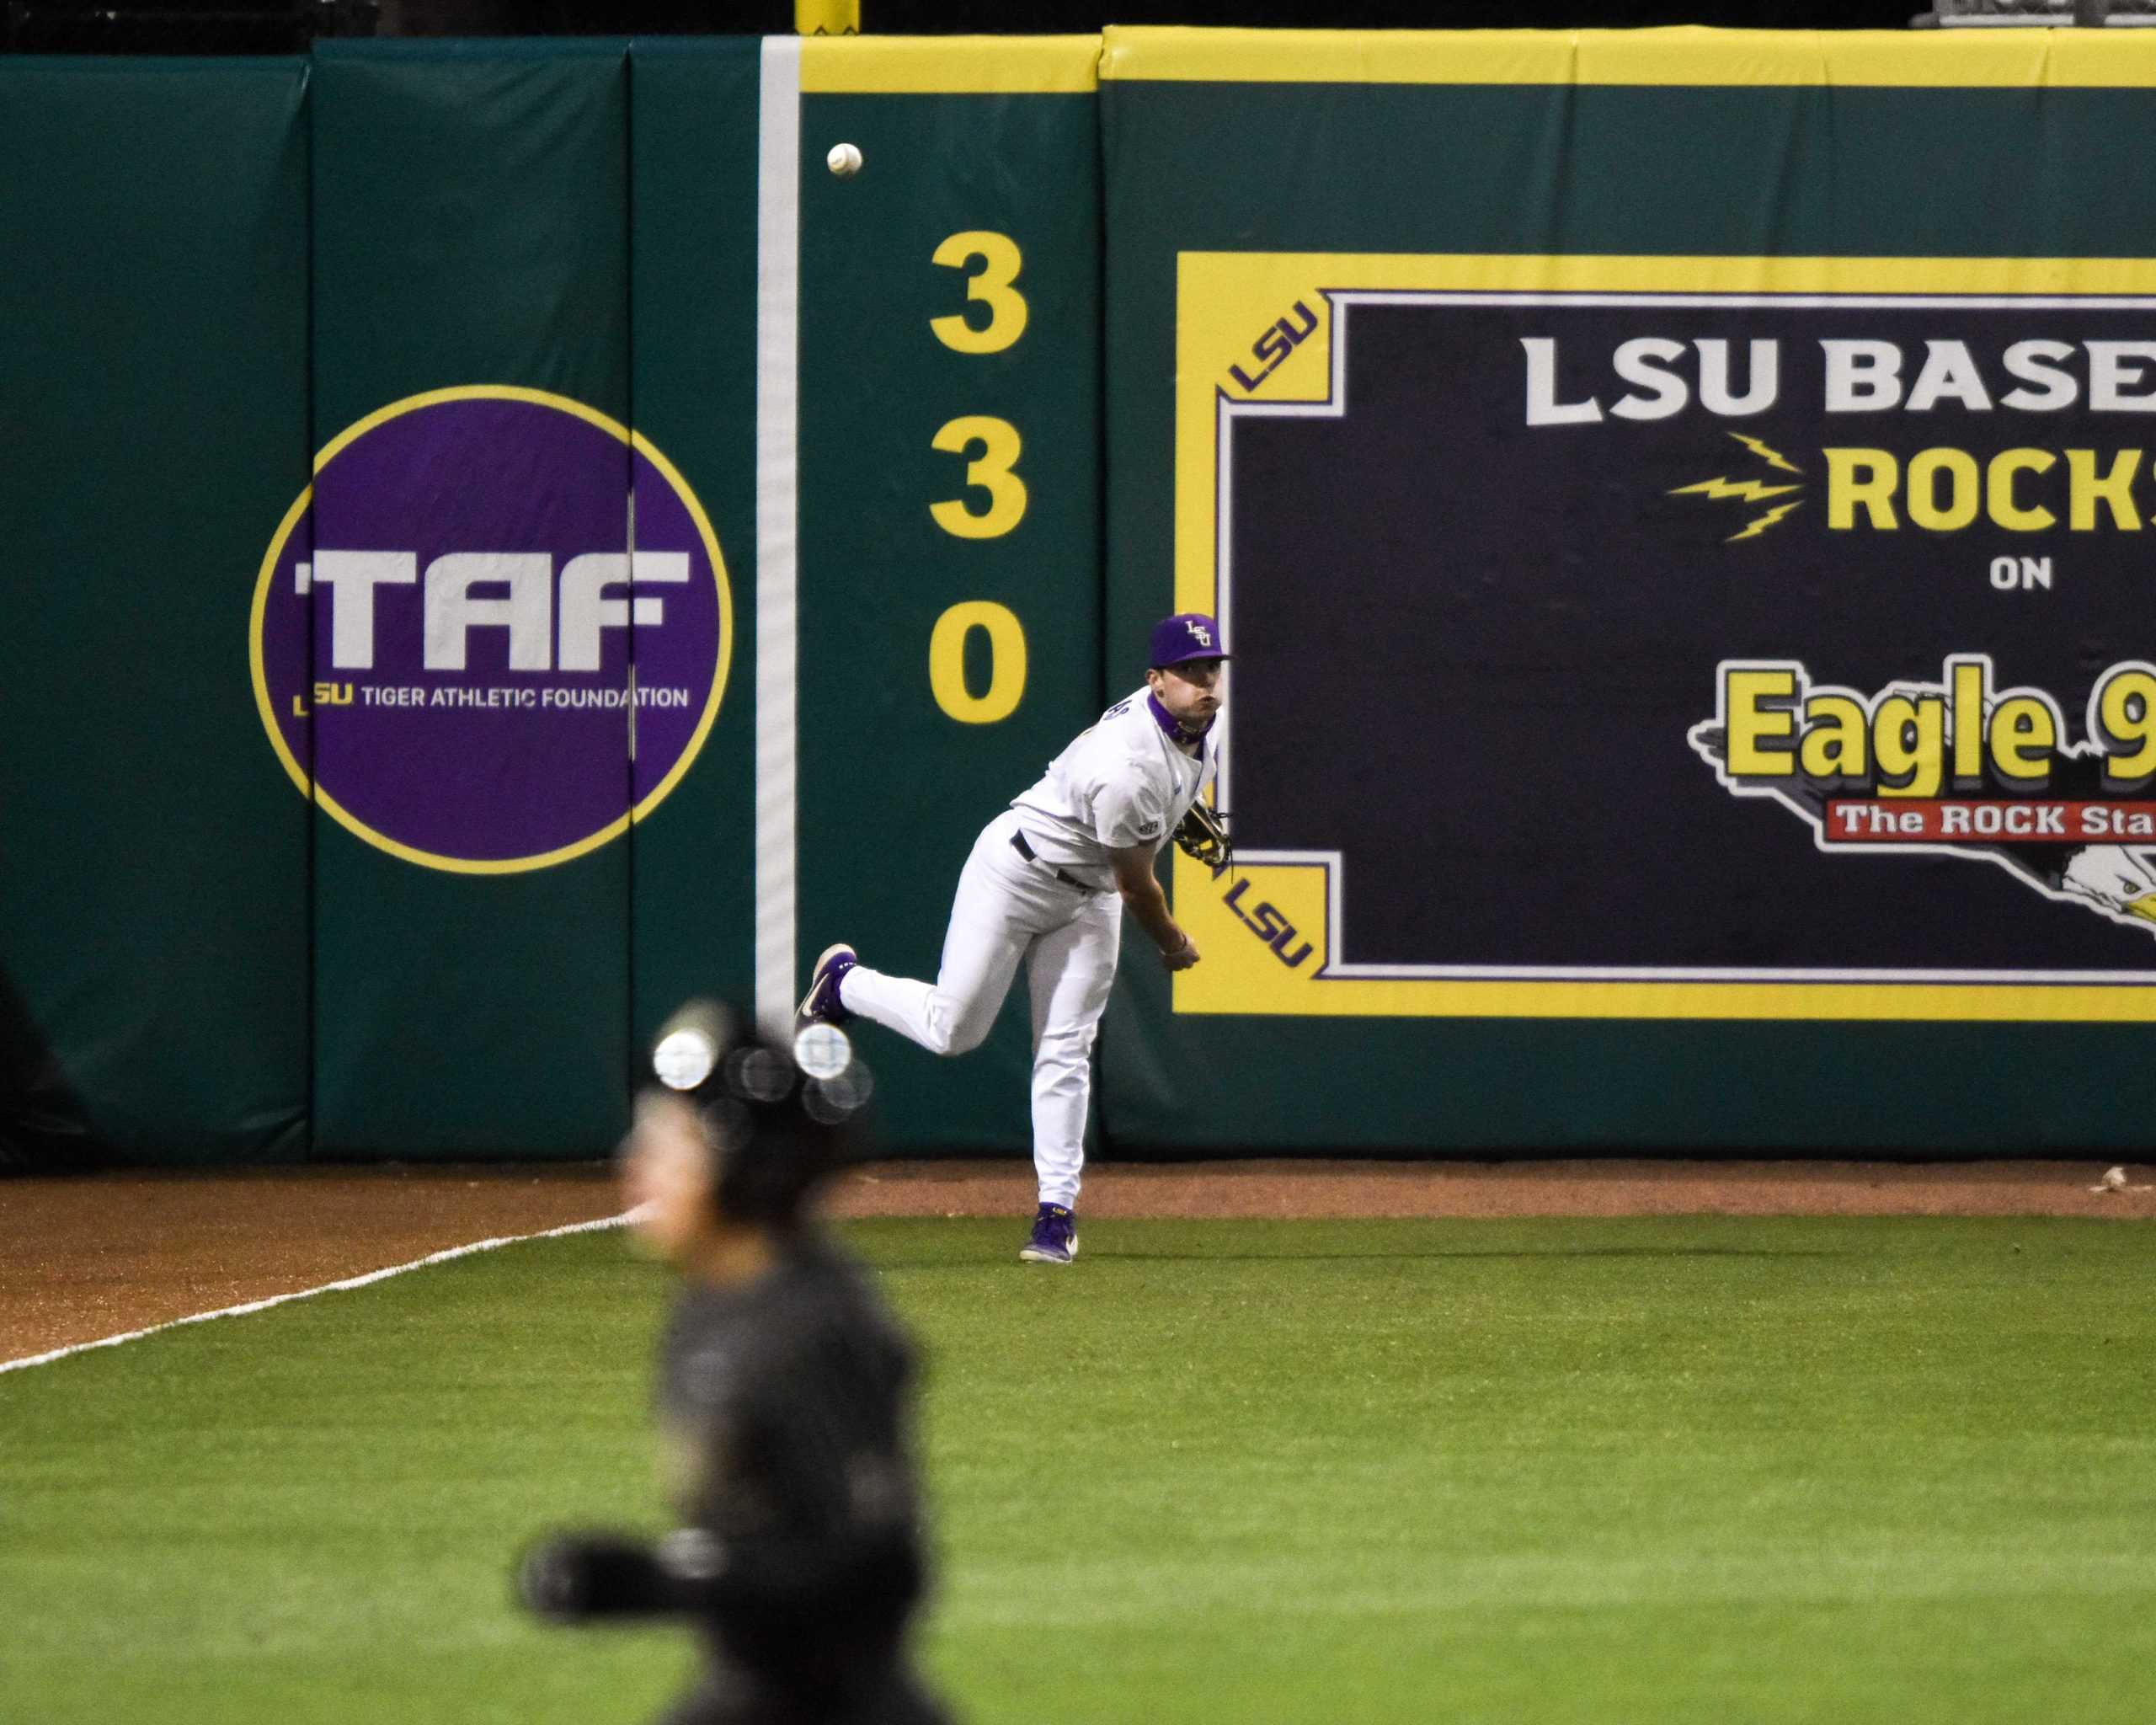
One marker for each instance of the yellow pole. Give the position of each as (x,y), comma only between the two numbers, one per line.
(827,18)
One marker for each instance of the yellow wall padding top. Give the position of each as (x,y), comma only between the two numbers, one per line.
(1685,55)
(949,66)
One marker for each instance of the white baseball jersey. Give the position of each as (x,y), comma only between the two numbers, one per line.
(1121,783)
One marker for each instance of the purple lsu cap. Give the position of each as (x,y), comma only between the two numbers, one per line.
(1187,635)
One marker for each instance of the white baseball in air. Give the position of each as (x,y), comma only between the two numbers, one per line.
(844,160)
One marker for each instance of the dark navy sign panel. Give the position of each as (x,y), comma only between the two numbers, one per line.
(1471,648)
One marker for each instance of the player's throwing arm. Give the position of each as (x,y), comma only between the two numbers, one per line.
(1046,884)
(1143,898)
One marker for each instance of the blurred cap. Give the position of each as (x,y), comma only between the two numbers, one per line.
(782,1118)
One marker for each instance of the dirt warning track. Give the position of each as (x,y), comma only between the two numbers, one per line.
(102,1255)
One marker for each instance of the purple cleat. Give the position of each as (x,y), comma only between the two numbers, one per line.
(822,1000)
(1055,1236)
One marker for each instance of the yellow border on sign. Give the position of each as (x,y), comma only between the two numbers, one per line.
(267,575)
(1223,300)
(950,66)
(1681,55)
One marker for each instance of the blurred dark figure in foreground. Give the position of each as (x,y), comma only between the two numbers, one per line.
(782,1395)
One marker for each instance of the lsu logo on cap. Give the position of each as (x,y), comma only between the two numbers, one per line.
(493,632)
(1199,632)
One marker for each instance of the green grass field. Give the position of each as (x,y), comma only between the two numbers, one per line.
(1673,1469)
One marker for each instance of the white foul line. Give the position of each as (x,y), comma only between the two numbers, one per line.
(349,1282)
(778,269)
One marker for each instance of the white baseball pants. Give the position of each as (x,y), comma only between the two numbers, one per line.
(1007,909)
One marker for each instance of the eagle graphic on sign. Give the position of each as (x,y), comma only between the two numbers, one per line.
(2062,863)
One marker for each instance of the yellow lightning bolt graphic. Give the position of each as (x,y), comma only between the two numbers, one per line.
(1754,528)
(1772,457)
(1751,491)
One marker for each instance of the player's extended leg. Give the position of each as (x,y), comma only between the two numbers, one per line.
(994,916)
(1068,974)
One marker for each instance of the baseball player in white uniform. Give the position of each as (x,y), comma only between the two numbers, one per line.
(1047,882)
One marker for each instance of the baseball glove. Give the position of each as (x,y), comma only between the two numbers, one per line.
(1205,835)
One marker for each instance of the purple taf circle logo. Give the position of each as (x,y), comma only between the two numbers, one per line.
(493,632)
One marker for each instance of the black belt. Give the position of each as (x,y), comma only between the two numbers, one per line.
(1018,844)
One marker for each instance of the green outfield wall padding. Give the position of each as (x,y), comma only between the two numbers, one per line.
(153,897)
(949,618)
(503,536)
(567,768)
(471,221)
(1606,771)
(693,187)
